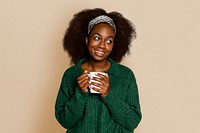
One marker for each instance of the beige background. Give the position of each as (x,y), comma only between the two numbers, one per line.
(165,59)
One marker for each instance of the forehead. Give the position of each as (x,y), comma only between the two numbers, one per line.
(103,28)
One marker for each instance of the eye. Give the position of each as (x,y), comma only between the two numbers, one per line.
(96,38)
(109,41)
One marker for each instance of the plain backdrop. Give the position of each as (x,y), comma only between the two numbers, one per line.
(165,59)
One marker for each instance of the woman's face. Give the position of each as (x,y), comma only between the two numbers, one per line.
(100,42)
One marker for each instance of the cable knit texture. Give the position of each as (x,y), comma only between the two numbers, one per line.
(82,112)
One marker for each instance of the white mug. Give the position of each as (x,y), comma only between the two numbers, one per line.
(91,75)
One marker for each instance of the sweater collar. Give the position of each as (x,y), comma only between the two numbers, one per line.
(114,67)
(113,70)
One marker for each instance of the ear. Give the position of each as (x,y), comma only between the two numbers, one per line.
(86,40)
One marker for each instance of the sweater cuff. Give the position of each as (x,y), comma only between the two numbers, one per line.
(82,92)
(108,98)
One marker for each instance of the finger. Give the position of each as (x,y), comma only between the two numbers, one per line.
(96,84)
(96,89)
(101,80)
(84,85)
(104,77)
(84,74)
(104,88)
(102,91)
(83,77)
(83,81)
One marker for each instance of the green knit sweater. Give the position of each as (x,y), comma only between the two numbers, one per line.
(82,112)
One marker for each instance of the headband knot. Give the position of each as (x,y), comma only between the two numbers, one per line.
(101,19)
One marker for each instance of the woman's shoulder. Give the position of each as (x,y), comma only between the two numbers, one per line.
(68,72)
(120,68)
(70,69)
(124,67)
(125,70)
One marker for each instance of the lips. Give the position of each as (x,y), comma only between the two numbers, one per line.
(99,53)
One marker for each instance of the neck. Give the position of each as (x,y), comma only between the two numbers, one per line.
(98,66)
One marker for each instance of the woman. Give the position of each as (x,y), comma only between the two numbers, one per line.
(96,42)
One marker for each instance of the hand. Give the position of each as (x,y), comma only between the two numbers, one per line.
(105,86)
(83,81)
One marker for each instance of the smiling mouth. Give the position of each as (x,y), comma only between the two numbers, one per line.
(99,53)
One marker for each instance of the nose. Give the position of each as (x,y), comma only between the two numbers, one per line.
(101,44)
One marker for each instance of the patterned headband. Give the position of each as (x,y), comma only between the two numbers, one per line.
(101,19)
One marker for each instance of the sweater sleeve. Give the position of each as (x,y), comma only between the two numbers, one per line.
(69,109)
(126,113)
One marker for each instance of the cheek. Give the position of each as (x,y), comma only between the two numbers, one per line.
(110,47)
(93,44)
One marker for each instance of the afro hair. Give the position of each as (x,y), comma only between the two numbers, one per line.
(77,31)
